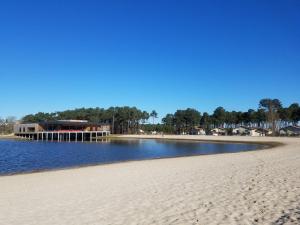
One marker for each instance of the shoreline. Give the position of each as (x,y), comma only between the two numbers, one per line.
(253,187)
(9,137)
(263,146)
(209,138)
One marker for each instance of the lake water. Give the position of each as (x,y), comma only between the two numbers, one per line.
(29,156)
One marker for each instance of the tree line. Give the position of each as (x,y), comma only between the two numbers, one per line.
(269,114)
(122,119)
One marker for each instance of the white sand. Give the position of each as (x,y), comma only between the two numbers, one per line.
(258,187)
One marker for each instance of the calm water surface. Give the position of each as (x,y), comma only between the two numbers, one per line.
(28,156)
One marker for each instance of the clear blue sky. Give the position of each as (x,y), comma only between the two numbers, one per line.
(162,55)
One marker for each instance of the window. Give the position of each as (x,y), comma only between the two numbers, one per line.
(31,129)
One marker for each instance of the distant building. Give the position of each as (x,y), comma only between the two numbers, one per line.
(62,130)
(141,131)
(218,132)
(241,131)
(290,131)
(60,125)
(251,131)
(257,132)
(197,131)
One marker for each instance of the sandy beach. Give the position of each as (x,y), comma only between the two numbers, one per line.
(8,136)
(256,187)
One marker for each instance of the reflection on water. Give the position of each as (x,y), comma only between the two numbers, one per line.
(27,156)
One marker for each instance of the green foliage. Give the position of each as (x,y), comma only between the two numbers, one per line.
(182,120)
(154,115)
(293,113)
(131,119)
(219,116)
(123,119)
(272,107)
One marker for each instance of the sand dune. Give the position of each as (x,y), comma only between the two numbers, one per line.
(257,187)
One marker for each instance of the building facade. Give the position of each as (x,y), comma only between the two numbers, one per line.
(62,130)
